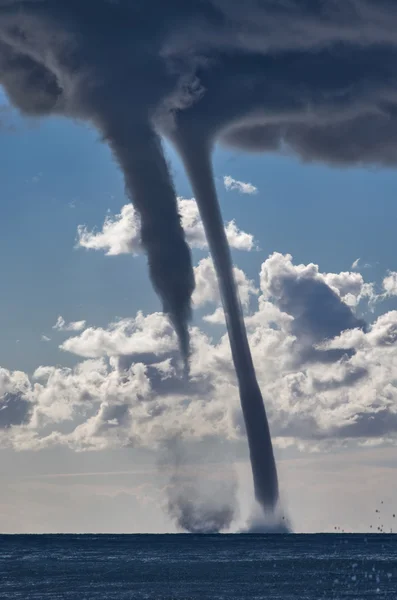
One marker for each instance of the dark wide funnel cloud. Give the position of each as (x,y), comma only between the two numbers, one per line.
(317,79)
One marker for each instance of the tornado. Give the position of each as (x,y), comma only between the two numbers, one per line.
(197,160)
(138,150)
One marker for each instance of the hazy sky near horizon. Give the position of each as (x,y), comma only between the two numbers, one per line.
(89,385)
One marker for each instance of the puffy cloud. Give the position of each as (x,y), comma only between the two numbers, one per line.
(327,377)
(120,234)
(207,290)
(385,333)
(216,318)
(240,240)
(239,186)
(63,394)
(314,300)
(390,284)
(61,325)
(142,336)
(349,286)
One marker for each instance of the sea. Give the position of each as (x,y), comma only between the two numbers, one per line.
(187,567)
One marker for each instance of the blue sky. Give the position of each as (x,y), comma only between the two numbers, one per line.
(56,175)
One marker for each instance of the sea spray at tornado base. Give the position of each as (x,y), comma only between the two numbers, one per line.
(315,79)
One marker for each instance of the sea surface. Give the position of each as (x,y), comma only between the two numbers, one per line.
(187,567)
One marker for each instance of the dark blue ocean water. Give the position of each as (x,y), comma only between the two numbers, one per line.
(187,567)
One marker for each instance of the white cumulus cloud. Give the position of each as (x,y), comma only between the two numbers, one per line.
(239,186)
(151,334)
(207,290)
(390,284)
(327,376)
(120,234)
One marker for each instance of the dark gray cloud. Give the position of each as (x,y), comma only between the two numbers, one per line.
(318,77)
